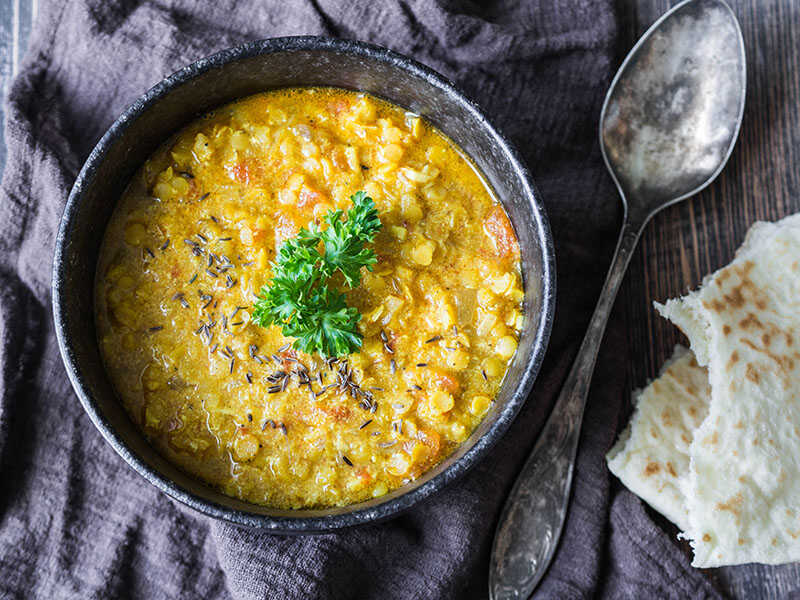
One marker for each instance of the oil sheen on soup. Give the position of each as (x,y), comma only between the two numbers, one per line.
(191,244)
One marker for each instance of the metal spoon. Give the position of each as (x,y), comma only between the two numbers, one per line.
(668,126)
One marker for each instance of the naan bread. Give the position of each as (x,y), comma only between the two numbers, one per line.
(743,488)
(651,457)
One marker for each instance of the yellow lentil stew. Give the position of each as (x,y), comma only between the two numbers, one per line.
(191,244)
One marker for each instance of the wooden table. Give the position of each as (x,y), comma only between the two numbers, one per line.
(683,243)
(693,238)
(16,20)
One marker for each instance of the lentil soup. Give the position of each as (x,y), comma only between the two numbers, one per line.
(191,244)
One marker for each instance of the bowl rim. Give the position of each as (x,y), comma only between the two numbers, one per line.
(357,516)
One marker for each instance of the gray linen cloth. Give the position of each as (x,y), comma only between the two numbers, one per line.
(77,522)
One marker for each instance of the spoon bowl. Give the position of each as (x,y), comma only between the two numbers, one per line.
(667,128)
(672,114)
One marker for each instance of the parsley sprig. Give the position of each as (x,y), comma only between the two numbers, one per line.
(300,297)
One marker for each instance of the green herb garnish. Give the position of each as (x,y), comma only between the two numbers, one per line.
(300,298)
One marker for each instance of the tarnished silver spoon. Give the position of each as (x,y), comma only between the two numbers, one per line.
(668,126)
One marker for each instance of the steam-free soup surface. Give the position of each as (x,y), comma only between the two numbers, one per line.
(190,245)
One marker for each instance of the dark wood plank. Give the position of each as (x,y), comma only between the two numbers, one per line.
(687,241)
(16,21)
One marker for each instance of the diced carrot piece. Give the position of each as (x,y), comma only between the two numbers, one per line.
(447,382)
(431,439)
(338,412)
(241,172)
(310,197)
(247,170)
(289,354)
(498,228)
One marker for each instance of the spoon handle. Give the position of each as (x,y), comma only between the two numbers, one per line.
(533,516)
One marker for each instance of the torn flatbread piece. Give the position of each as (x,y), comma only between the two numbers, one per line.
(651,457)
(743,488)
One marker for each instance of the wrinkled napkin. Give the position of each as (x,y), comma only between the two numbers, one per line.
(77,522)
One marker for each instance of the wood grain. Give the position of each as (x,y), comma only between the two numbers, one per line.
(16,22)
(691,239)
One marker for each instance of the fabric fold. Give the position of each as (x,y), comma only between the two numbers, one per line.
(77,522)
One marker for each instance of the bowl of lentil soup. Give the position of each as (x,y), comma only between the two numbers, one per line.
(172,234)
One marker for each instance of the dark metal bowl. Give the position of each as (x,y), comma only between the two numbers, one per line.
(221,78)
